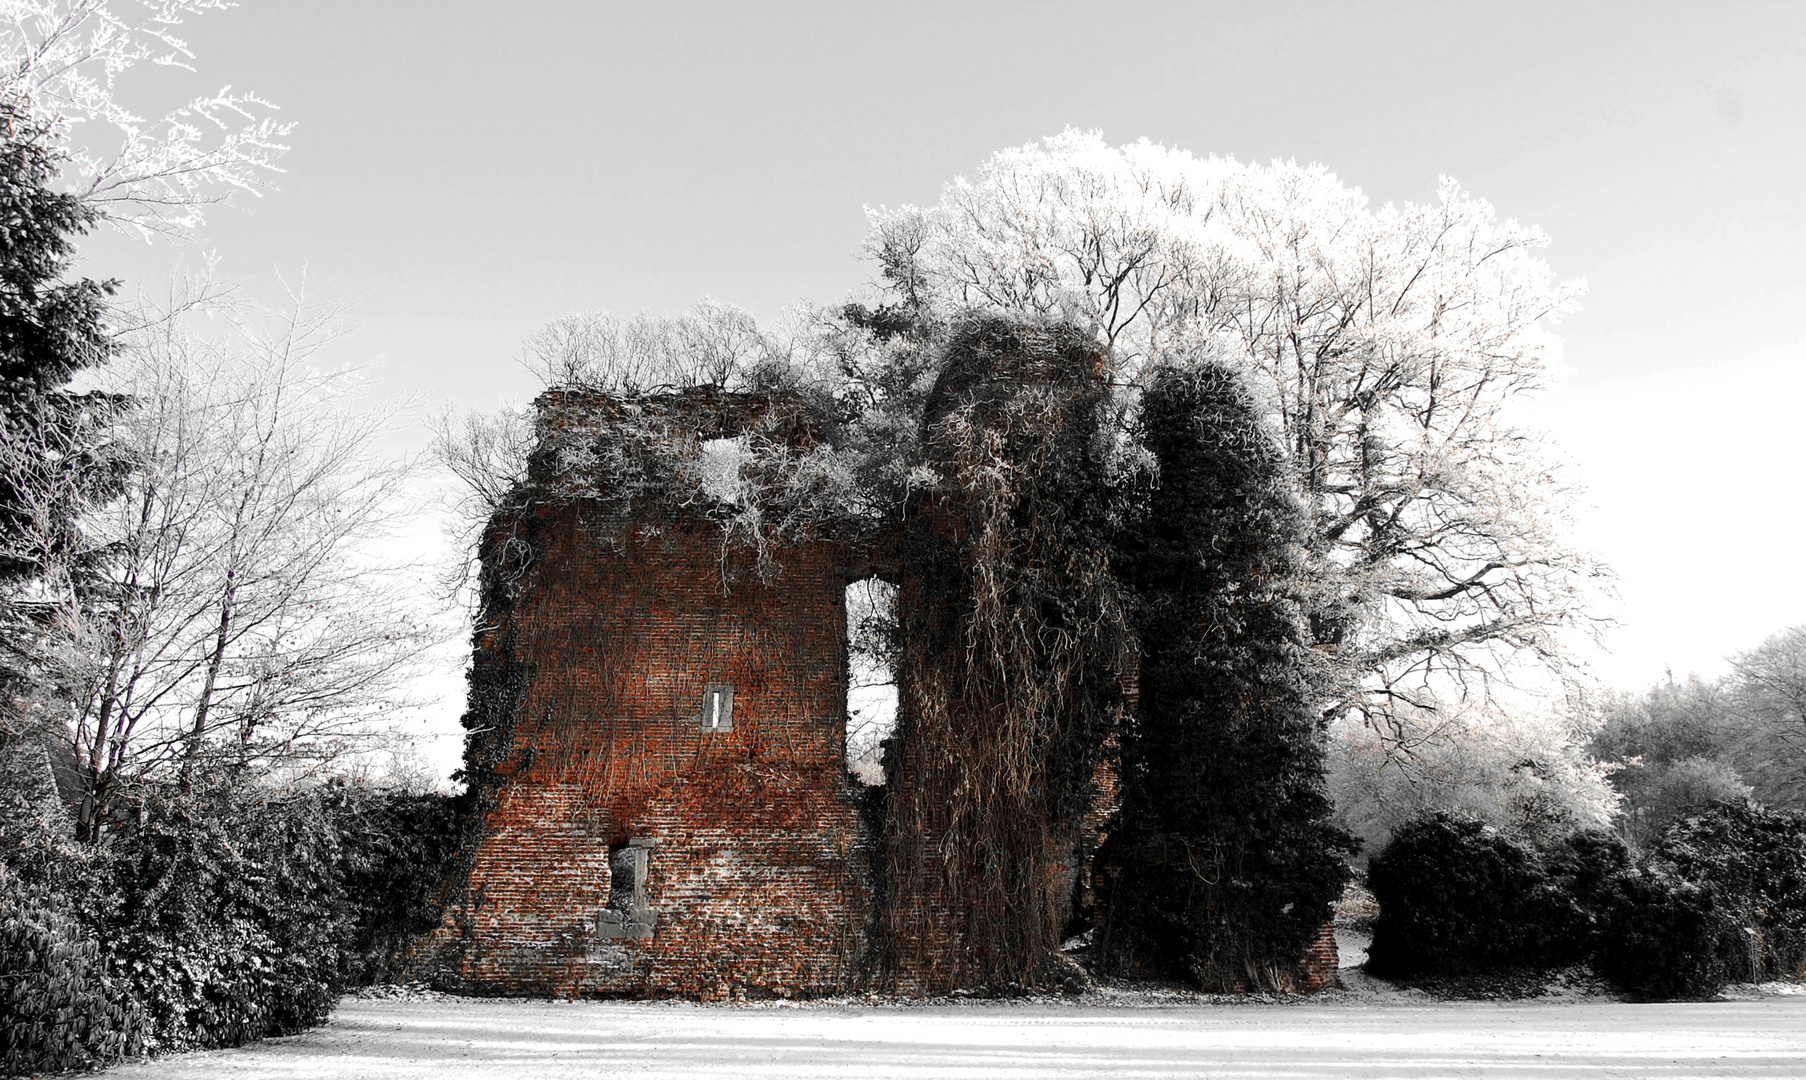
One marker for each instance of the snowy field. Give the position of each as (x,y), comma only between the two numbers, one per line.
(1340,1034)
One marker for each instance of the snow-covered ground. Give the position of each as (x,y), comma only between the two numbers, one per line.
(1341,1034)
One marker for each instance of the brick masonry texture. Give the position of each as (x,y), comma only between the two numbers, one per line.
(1321,961)
(755,871)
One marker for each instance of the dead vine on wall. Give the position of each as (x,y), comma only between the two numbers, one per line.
(1012,645)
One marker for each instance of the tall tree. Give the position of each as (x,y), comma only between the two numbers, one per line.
(1222,862)
(50,327)
(1390,344)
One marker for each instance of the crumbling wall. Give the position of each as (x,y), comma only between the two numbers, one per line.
(601,645)
(1321,961)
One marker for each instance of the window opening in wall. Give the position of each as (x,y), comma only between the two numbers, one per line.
(718,466)
(628,915)
(717,707)
(871,678)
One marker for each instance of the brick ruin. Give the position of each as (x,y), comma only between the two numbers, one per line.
(670,812)
(657,745)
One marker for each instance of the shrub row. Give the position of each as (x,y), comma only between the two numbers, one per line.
(219,916)
(1721,897)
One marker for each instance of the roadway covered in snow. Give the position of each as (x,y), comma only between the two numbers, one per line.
(1338,1035)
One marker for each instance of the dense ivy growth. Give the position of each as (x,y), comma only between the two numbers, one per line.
(1754,860)
(1222,863)
(399,849)
(1720,897)
(1455,895)
(1012,640)
(1665,937)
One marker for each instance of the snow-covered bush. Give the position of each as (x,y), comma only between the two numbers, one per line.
(223,912)
(1720,897)
(1524,773)
(58,1008)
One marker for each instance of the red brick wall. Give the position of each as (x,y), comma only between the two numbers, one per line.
(1321,961)
(756,875)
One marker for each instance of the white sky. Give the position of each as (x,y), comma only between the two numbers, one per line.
(472,170)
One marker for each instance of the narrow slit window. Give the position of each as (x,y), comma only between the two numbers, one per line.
(718,707)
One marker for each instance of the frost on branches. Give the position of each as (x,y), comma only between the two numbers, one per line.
(1526,772)
(225,599)
(1388,345)
(61,62)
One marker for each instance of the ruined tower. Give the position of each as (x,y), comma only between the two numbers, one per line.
(658,719)
(658,792)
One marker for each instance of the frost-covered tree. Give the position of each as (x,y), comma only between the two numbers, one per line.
(1766,691)
(1684,743)
(1528,772)
(1672,748)
(236,605)
(61,62)
(1389,344)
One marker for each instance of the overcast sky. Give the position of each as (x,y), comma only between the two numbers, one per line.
(472,170)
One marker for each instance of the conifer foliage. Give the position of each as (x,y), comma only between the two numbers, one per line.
(1222,862)
(50,327)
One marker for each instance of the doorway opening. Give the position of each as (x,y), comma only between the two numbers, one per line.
(871,676)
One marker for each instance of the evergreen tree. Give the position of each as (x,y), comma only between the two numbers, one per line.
(50,327)
(1222,863)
